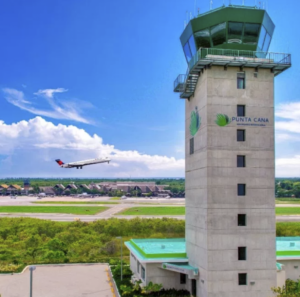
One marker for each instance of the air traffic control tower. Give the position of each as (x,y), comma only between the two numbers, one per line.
(229,143)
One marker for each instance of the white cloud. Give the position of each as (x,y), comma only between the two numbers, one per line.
(33,145)
(290,111)
(288,127)
(49,92)
(63,110)
(288,167)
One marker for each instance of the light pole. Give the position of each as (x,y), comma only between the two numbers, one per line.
(31,269)
(120,237)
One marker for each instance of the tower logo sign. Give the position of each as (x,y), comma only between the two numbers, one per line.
(195,121)
(223,120)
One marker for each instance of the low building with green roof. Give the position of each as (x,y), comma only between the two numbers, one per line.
(166,261)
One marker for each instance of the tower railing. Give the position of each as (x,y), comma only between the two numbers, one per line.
(206,57)
(236,55)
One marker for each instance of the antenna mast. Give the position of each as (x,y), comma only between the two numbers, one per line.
(211,4)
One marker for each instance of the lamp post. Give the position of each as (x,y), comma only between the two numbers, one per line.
(31,269)
(120,237)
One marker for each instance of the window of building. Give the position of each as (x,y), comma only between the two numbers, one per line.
(242,220)
(182,278)
(194,287)
(241,135)
(241,110)
(138,267)
(262,37)
(235,32)
(241,80)
(266,43)
(242,279)
(218,34)
(202,38)
(242,253)
(241,161)
(187,52)
(143,275)
(191,146)
(192,45)
(251,32)
(241,189)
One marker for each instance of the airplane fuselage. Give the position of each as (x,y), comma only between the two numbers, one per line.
(80,164)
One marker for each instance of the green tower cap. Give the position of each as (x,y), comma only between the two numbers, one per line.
(228,27)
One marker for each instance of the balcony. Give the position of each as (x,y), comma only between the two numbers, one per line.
(207,57)
(276,62)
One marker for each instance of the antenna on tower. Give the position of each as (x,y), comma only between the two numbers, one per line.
(195,7)
(184,24)
(211,4)
(243,2)
(191,16)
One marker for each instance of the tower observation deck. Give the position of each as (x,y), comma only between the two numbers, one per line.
(232,36)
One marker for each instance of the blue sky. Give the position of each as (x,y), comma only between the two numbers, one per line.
(107,68)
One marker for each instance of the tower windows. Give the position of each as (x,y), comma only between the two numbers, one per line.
(192,146)
(241,189)
(241,161)
(242,253)
(241,135)
(241,80)
(242,220)
(241,110)
(242,279)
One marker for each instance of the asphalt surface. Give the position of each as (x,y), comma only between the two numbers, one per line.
(111,212)
(59,281)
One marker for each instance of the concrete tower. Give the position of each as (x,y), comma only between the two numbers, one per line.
(229,143)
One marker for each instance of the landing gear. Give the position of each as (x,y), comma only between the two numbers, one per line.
(81,167)
(77,167)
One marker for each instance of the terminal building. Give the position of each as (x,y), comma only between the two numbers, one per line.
(230,244)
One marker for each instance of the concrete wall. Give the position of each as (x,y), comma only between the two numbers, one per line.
(155,274)
(212,204)
(292,268)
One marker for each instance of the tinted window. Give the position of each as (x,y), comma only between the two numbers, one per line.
(241,189)
(241,161)
(235,32)
(218,34)
(242,279)
(251,32)
(143,273)
(182,278)
(241,110)
(202,38)
(241,80)
(191,146)
(138,267)
(262,37)
(242,253)
(267,43)
(192,45)
(241,135)
(187,52)
(242,220)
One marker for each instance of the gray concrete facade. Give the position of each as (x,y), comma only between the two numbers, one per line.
(212,203)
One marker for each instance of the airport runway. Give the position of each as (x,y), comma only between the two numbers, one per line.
(111,212)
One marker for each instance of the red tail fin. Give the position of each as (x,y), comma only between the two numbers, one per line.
(59,162)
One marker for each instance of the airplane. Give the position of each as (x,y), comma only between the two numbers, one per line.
(80,164)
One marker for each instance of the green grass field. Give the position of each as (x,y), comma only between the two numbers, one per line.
(287,201)
(157,211)
(74,202)
(280,211)
(78,210)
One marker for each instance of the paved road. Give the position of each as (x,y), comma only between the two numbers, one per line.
(114,208)
(59,281)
